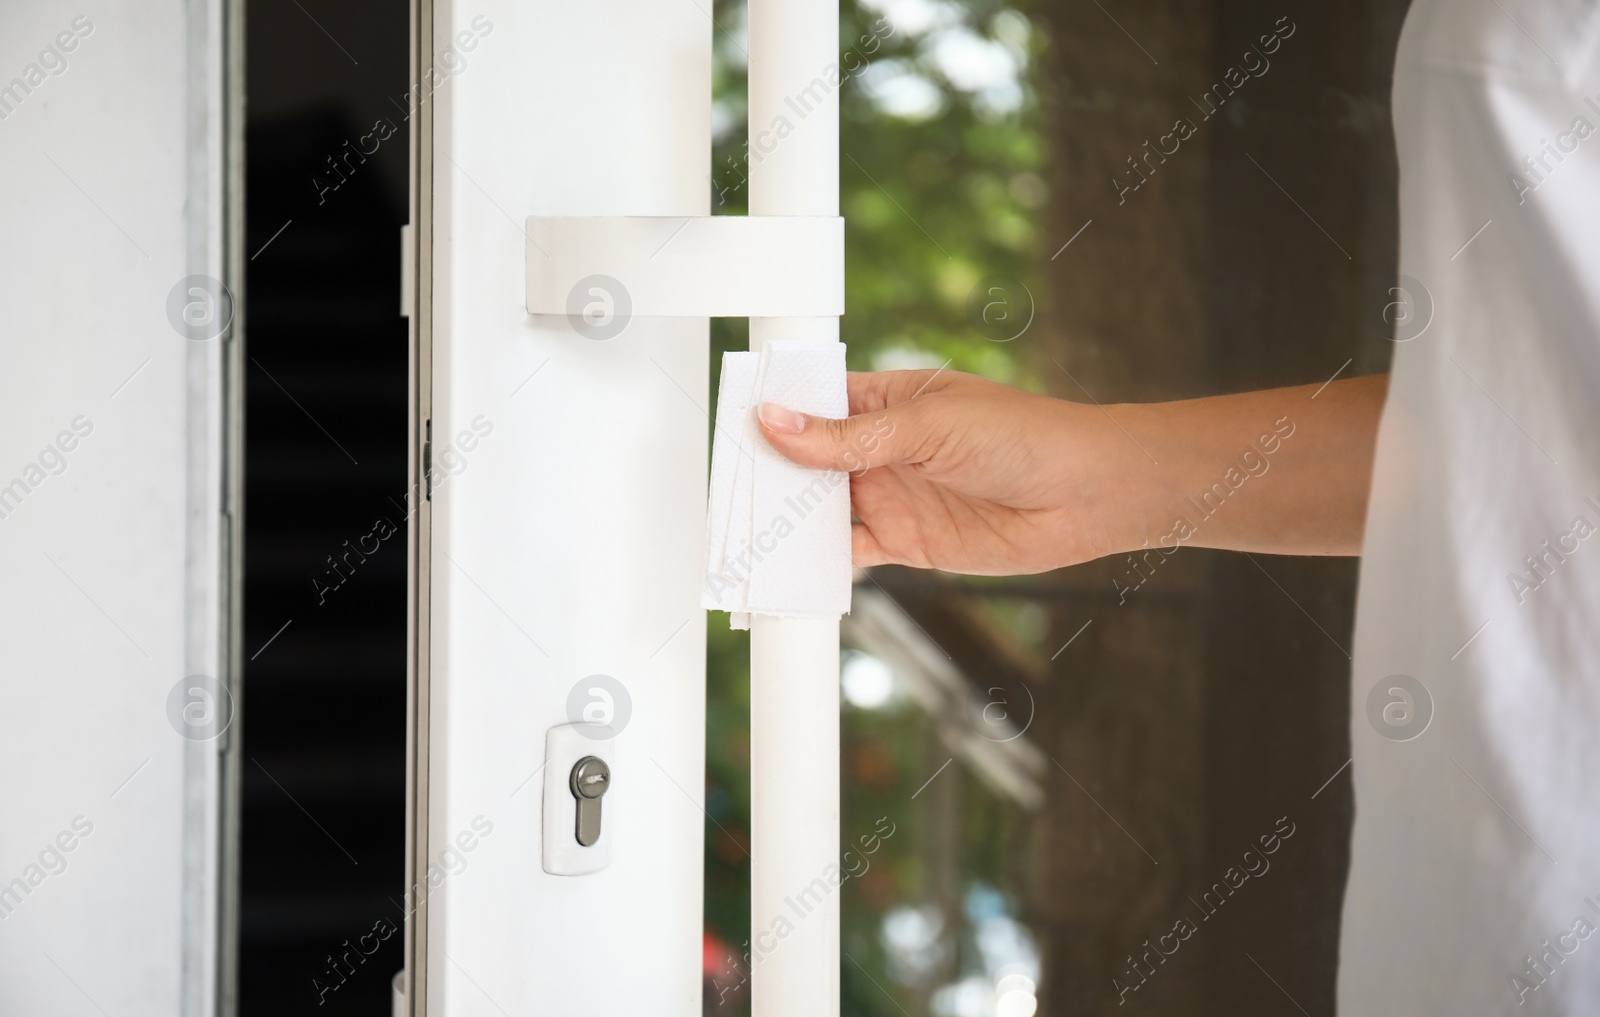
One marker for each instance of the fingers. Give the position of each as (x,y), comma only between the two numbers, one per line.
(865,551)
(879,390)
(851,444)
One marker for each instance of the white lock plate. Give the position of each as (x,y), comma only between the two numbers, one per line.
(564,745)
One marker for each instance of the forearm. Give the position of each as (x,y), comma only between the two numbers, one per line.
(1282,471)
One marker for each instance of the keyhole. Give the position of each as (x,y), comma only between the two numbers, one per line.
(590,779)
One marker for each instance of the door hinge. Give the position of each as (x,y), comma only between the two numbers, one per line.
(427,459)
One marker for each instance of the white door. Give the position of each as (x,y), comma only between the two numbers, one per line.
(559,553)
(563,539)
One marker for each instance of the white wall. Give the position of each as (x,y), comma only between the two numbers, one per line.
(111,195)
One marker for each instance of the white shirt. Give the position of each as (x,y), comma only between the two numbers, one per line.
(1477,843)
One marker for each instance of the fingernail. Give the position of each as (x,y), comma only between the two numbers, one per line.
(783,420)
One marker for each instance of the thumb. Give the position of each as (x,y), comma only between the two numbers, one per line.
(851,444)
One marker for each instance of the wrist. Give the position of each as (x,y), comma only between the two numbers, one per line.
(1109,491)
(1141,479)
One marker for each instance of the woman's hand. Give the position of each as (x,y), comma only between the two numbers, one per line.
(953,472)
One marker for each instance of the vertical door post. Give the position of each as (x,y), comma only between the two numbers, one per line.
(794,664)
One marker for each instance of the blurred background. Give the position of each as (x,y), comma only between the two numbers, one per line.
(1044,776)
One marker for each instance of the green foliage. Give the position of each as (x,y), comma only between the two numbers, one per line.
(935,198)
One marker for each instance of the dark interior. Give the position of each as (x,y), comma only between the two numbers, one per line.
(323,714)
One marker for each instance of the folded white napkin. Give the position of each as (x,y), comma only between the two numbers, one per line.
(779,534)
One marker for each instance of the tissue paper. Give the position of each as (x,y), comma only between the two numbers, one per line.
(778,535)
